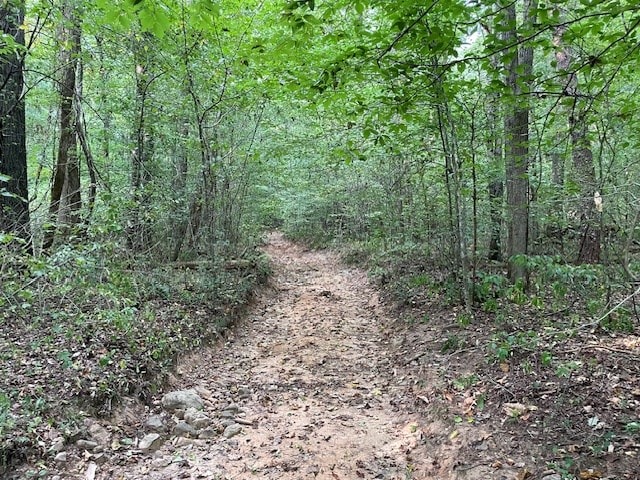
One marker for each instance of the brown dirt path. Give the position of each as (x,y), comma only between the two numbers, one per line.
(310,368)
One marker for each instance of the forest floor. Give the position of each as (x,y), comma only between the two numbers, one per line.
(322,380)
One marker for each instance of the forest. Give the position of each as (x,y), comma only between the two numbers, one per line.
(477,158)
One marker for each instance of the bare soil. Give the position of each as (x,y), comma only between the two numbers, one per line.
(332,385)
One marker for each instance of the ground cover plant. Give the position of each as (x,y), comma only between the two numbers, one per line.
(81,330)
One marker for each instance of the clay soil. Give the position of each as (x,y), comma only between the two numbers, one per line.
(331,385)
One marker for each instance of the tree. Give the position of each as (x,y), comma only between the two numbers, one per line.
(14,204)
(66,201)
(517,139)
(581,153)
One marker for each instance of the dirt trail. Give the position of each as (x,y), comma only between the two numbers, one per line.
(310,369)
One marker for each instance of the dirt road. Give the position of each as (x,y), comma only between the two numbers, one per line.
(309,374)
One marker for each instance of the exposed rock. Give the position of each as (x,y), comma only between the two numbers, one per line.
(183,429)
(86,444)
(203,392)
(183,442)
(57,445)
(227,414)
(196,418)
(151,441)
(553,476)
(155,423)
(182,399)
(232,430)
(61,457)
(231,407)
(208,433)
(100,458)
(100,434)
(244,392)
(90,474)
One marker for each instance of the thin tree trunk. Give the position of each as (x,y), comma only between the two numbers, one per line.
(139,230)
(453,173)
(582,156)
(495,189)
(65,191)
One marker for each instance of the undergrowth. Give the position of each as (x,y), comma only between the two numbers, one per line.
(565,344)
(87,325)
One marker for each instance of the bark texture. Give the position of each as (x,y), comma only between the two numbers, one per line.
(14,205)
(66,202)
(517,143)
(584,172)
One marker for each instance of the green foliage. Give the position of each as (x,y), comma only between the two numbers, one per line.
(452,344)
(465,382)
(373,125)
(83,319)
(504,346)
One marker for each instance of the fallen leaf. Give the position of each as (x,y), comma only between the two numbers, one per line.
(514,409)
(523,474)
(590,474)
(518,409)
(504,366)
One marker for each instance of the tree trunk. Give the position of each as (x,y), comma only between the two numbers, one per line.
(64,209)
(496,192)
(586,177)
(457,209)
(495,143)
(581,155)
(14,194)
(517,144)
(139,230)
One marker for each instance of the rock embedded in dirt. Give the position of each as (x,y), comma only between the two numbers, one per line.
(155,423)
(182,400)
(244,393)
(57,445)
(150,442)
(203,392)
(187,442)
(183,429)
(553,476)
(196,418)
(232,430)
(207,433)
(100,434)
(61,457)
(231,407)
(86,444)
